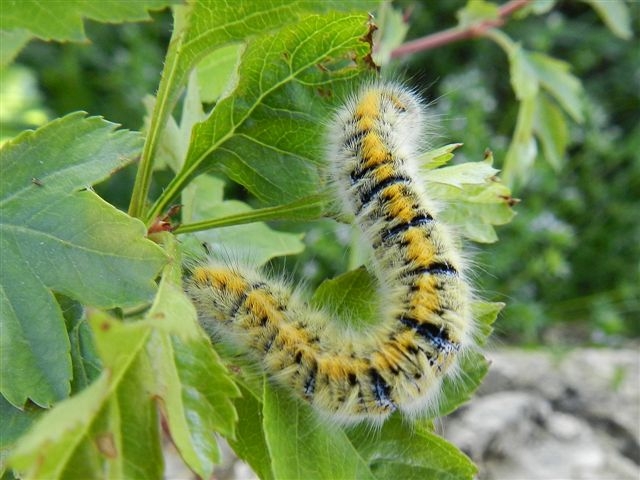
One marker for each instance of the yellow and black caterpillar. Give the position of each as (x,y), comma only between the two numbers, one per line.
(424,295)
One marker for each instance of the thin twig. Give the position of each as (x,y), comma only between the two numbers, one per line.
(456,34)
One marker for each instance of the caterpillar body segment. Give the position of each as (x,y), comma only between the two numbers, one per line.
(425,297)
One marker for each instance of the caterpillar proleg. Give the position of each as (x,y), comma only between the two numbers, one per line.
(425,297)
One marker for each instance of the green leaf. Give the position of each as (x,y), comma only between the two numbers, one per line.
(200,28)
(54,237)
(392,31)
(471,173)
(270,144)
(550,127)
(63,21)
(293,433)
(295,442)
(399,450)
(476,11)
(524,78)
(473,198)
(554,76)
(99,430)
(250,443)
(11,42)
(302,445)
(84,358)
(127,433)
(474,210)
(529,72)
(15,422)
(216,70)
(522,70)
(523,148)
(173,147)
(459,389)
(615,14)
(165,358)
(350,297)
(540,7)
(61,430)
(532,70)
(33,341)
(204,27)
(193,386)
(438,157)
(485,314)
(264,135)
(203,200)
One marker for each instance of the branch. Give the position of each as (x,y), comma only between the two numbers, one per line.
(456,34)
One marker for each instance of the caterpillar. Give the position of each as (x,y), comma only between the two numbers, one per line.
(425,320)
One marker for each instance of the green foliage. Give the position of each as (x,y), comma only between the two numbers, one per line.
(350,296)
(55,236)
(64,21)
(288,424)
(531,74)
(190,380)
(105,349)
(281,437)
(82,433)
(112,425)
(413,454)
(203,201)
(475,199)
(615,15)
(224,23)
(571,159)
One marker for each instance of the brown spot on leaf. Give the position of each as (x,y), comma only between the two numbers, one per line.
(324,92)
(368,38)
(107,445)
(509,200)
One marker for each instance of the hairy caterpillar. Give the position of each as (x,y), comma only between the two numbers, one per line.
(425,298)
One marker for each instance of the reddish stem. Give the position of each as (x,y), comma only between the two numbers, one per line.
(456,34)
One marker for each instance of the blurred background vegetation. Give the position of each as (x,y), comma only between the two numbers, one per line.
(568,265)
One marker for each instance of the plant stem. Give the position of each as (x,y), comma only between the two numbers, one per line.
(307,208)
(456,34)
(143,178)
(165,101)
